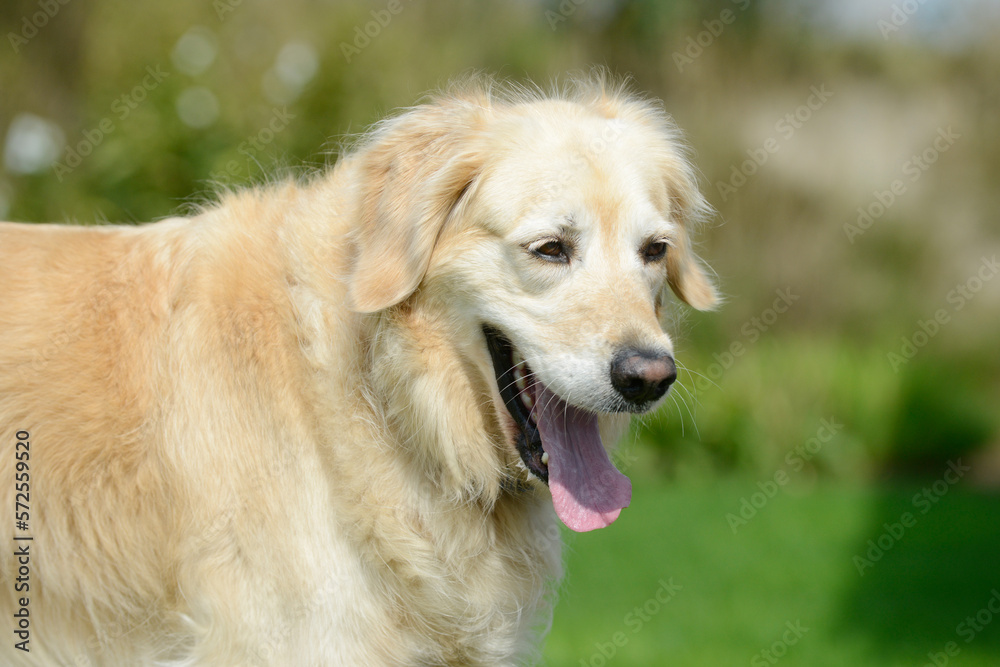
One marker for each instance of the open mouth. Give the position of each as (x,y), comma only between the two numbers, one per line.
(559,444)
(517,389)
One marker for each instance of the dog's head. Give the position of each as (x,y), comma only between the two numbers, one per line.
(552,227)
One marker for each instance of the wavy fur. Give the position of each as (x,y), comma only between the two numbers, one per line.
(269,433)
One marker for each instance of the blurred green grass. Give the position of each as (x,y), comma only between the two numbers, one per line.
(791,563)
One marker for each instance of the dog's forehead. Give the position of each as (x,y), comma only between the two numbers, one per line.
(578,139)
(591,168)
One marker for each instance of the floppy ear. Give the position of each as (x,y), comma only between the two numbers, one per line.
(412,172)
(687,278)
(686,274)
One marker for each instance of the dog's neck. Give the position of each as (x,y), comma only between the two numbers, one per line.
(446,497)
(434,382)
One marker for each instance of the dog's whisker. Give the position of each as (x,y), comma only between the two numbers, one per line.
(697,374)
(690,411)
(673,400)
(529,379)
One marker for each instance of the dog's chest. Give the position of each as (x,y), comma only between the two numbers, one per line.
(470,595)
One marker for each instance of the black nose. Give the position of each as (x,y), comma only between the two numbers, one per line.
(642,376)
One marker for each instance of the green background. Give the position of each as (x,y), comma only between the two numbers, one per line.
(802,117)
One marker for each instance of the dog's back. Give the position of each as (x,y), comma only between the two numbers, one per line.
(84,312)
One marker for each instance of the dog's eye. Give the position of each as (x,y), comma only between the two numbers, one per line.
(654,251)
(552,251)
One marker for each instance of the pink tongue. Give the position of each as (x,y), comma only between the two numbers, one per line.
(587,490)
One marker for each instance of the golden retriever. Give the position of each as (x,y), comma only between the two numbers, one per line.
(333,422)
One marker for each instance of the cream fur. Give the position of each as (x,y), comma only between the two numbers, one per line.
(270,434)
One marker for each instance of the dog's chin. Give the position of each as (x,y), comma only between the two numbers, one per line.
(559,444)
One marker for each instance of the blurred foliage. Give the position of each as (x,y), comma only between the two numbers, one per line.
(769,411)
(785,227)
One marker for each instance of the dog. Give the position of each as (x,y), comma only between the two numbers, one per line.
(335,420)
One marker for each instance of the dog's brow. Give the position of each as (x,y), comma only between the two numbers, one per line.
(568,225)
(565,227)
(662,227)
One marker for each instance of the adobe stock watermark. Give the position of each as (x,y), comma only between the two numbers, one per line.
(751,331)
(224,8)
(634,621)
(121,108)
(279,121)
(714,28)
(106,636)
(785,128)
(957,298)
(364,34)
(271,644)
(899,16)
(794,632)
(915,167)
(32,24)
(543,539)
(968,630)
(795,461)
(611,131)
(924,501)
(74,330)
(562,13)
